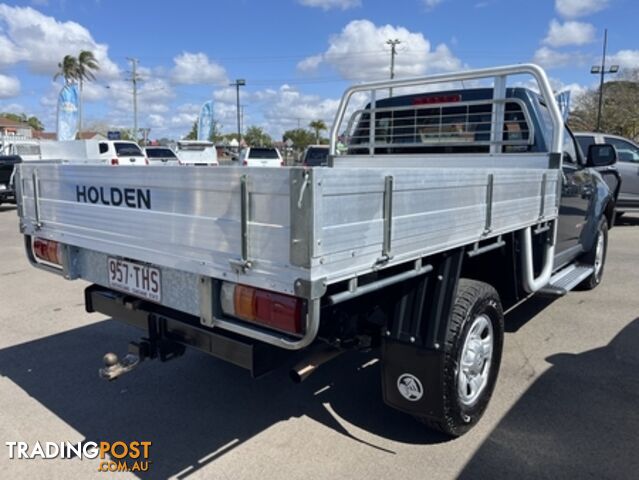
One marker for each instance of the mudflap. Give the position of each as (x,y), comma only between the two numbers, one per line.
(413,347)
(412,379)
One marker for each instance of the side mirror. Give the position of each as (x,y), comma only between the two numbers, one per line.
(601,155)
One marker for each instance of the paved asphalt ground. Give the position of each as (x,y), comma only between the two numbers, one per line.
(566,403)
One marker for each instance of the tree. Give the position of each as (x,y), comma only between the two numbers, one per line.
(620,107)
(317,126)
(300,137)
(86,65)
(257,137)
(67,69)
(192,135)
(33,121)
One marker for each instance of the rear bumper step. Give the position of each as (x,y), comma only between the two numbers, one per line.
(163,324)
(566,279)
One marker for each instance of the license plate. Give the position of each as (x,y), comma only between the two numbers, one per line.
(135,278)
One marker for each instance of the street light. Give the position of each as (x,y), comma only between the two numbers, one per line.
(602,71)
(393,43)
(240,82)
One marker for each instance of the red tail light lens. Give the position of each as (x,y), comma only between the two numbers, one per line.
(115,161)
(270,309)
(146,161)
(47,250)
(245,163)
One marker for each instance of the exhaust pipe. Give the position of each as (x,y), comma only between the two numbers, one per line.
(306,367)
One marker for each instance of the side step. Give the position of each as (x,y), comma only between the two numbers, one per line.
(566,279)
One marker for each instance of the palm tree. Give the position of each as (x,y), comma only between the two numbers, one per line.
(78,69)
(68,69)
(317,126)
(86,65)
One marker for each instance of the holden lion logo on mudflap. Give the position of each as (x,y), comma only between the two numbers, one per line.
(410,387)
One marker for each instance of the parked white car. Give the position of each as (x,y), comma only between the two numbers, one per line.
(196,153)
(161,156)
(261,157)
(122,152)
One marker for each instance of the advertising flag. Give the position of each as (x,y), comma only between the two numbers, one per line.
(563,101)
(67,127)
(205,122)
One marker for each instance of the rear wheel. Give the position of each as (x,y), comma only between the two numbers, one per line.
(596,257)
(473,354)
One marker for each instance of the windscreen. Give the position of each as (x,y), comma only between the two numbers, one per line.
(269,153)
(160,153)
(130,149)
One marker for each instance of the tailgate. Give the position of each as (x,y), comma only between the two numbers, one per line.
(181,218)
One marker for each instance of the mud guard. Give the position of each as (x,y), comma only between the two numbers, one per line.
(413,347)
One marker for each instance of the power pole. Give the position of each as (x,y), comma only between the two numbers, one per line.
(240,82)
(601,71)
(134,79)
(393,43)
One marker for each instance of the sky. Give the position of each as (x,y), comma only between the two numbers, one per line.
(297,56)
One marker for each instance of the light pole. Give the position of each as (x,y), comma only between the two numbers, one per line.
(393,43)
(240,82)
(134,79)
(602,71)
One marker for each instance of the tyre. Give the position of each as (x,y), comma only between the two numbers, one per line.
(473,350)
(596,257)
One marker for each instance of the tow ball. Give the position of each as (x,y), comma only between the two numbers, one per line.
(114,367)
(163,349)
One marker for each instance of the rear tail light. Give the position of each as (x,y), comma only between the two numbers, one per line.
(270,309)
(146,161)
(47,250)
(282,163)
(115,161)
(245,163)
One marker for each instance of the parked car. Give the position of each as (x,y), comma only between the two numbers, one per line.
(627,166)
(196,153)
(122,152)
(315,156)
(261,157)
(7,165)
(161,156)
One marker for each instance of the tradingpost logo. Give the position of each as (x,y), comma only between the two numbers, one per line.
(112,456)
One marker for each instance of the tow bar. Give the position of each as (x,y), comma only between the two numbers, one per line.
(151,348)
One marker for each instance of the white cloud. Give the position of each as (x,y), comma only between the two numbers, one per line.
(576,89)
(281,109)
(196,68)
(359,52)
(329,4)
(569,33)
(430,4)
(155,121)
(625,59)
(310,63)
(9,86)
(41,41)
(579,8)
(549,58)
(12,108)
